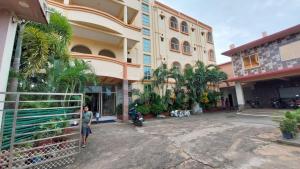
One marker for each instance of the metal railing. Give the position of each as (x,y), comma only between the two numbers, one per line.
(39,130)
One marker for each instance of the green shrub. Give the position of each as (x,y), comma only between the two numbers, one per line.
(156,109)
(289,125)
(290,115)
(298,118)
(144,109)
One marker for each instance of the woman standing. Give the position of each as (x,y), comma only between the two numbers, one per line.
(87,117)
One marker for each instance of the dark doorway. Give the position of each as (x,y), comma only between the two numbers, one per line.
(230,100)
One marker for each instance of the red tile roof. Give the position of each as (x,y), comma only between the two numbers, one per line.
(261,41)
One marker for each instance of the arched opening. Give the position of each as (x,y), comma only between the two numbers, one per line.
(81,49)
(175,44)
(173,23)
(186,47)
(108,53)
(176,65)
(184,27)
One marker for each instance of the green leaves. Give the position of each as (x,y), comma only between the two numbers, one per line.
(35,50)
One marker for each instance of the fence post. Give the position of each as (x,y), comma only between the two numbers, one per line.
(13,131)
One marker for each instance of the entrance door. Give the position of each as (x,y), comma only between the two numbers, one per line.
(108,104)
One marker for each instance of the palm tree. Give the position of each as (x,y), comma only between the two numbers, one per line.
(160,78)
(197,81)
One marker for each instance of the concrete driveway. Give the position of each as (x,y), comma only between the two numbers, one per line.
(222,140)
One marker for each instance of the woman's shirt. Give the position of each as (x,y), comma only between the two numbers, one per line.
(86,117)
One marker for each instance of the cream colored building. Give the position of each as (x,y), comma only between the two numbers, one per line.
(124,40)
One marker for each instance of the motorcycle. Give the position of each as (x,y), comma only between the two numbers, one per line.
(277,103)
(254,103)
(136,117)
(294,104)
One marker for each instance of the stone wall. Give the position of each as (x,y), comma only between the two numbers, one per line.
(269,58)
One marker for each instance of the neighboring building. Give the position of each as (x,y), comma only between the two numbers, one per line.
(125,40)
(267,68)
(227,88)
(12,12)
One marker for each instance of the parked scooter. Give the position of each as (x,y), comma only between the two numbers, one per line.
(277,103)
(254,103)
(136,117)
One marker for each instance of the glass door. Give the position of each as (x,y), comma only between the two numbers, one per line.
(108,101)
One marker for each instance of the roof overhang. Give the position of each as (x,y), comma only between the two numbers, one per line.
(264,40)
(287,72)
(33,10)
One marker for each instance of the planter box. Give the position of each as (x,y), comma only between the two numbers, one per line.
(148,116)
(287,135)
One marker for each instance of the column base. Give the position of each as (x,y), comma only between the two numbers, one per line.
(241,107)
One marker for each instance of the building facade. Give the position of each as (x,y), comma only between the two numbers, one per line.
(267,68)
(227,88)
(124,40)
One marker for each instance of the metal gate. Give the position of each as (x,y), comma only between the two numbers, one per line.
(39,130)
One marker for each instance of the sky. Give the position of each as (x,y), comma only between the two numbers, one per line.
(239,21)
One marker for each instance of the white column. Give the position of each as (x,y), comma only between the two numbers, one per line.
(125,52)
(240,95)
(66,2)
(125,82)
(125,14)
(7,34)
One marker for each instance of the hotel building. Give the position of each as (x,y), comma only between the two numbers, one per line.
(124,40)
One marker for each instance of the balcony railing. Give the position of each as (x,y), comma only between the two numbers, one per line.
(93,11)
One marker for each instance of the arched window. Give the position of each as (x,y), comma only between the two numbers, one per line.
(211,55)
(175,44)
(186,47)
(107,53)
(173,23)
(176,65)
(184,27)
(187,66)
(81,49)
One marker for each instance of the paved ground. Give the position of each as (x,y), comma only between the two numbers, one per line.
(222,140)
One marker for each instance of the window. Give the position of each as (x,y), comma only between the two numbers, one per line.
(81,49)
(146,31)
(147,88)
(173,23)
(145,8)
(209,37)
(146,20)
(176,65)
(251,61)
(146,45)
(184,27)
(186,47)
(211,55)
(107,53)
(147,72)
(187,66)
(147,59)
(174,44)
(129,60)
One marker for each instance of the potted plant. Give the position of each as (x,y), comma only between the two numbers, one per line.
(288,128)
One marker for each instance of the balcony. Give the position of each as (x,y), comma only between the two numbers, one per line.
(111,68)
(86,13)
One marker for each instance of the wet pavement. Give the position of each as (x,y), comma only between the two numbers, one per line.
(216,140)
